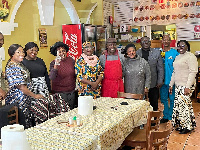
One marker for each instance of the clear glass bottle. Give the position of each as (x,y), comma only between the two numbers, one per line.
(58,59)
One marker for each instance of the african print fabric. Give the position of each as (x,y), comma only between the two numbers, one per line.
(57,105)
(18,74)
(39,107)
(183,114)
(83,70)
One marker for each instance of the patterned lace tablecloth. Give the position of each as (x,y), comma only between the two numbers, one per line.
(108,125)
(44,139)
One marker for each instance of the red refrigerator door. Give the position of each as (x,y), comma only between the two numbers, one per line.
(72,37)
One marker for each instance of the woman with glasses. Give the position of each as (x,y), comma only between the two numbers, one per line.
(185,70)
(89,72)
(62,73)
(19,83)
(39,79)
(137,74)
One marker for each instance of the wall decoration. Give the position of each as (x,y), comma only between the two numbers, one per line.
(107,11)
(43,37)
(4,10)
(165,12)
(188,31)
(123,12)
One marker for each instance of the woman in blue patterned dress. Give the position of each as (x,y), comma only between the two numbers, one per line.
(89,72)
(18,78)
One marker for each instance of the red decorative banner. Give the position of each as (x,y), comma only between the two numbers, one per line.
(72,37)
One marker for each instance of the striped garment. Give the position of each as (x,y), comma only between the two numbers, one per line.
(39,107)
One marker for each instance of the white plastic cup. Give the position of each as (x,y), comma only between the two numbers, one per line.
(71,121)
(78,120)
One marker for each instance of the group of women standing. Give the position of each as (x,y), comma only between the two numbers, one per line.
(29,83)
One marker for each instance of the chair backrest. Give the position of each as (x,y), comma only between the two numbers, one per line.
(130,95)
(153,122)
(160,138)
(13,115)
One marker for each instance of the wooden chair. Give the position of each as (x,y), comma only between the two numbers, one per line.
(130,95)
(13,115)
(139,137)
(160,138)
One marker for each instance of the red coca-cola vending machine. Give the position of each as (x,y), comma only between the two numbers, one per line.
(72,36)
(75,34)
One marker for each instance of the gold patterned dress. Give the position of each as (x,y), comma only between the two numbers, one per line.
(83,70)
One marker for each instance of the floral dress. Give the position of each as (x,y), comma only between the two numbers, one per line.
(83,70)
(18,74)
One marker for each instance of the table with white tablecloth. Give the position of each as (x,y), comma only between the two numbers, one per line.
(106,128)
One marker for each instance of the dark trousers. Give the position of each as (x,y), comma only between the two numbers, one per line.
(69,97)
(153,97)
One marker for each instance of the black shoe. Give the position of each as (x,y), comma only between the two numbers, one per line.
(163,120)
(184,131)
(178,129)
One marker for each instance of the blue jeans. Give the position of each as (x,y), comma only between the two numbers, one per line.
(164,95)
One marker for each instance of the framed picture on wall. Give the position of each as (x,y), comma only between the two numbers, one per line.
(42,37)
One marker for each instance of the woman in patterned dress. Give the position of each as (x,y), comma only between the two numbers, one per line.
(18,78)
(39,80)
(89,72)
(185,70)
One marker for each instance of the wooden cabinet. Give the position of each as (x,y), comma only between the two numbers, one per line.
(156,43)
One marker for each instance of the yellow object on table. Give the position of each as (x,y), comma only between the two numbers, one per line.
(110,123)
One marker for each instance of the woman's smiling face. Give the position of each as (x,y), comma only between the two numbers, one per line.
(18,55)
(32,53)
(182,47)
(131,52)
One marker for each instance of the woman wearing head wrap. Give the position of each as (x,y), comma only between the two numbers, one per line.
(62,73)
(89,72)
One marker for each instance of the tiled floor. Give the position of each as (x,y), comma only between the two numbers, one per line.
(190,141)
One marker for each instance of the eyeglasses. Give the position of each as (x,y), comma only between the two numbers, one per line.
(181,46)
